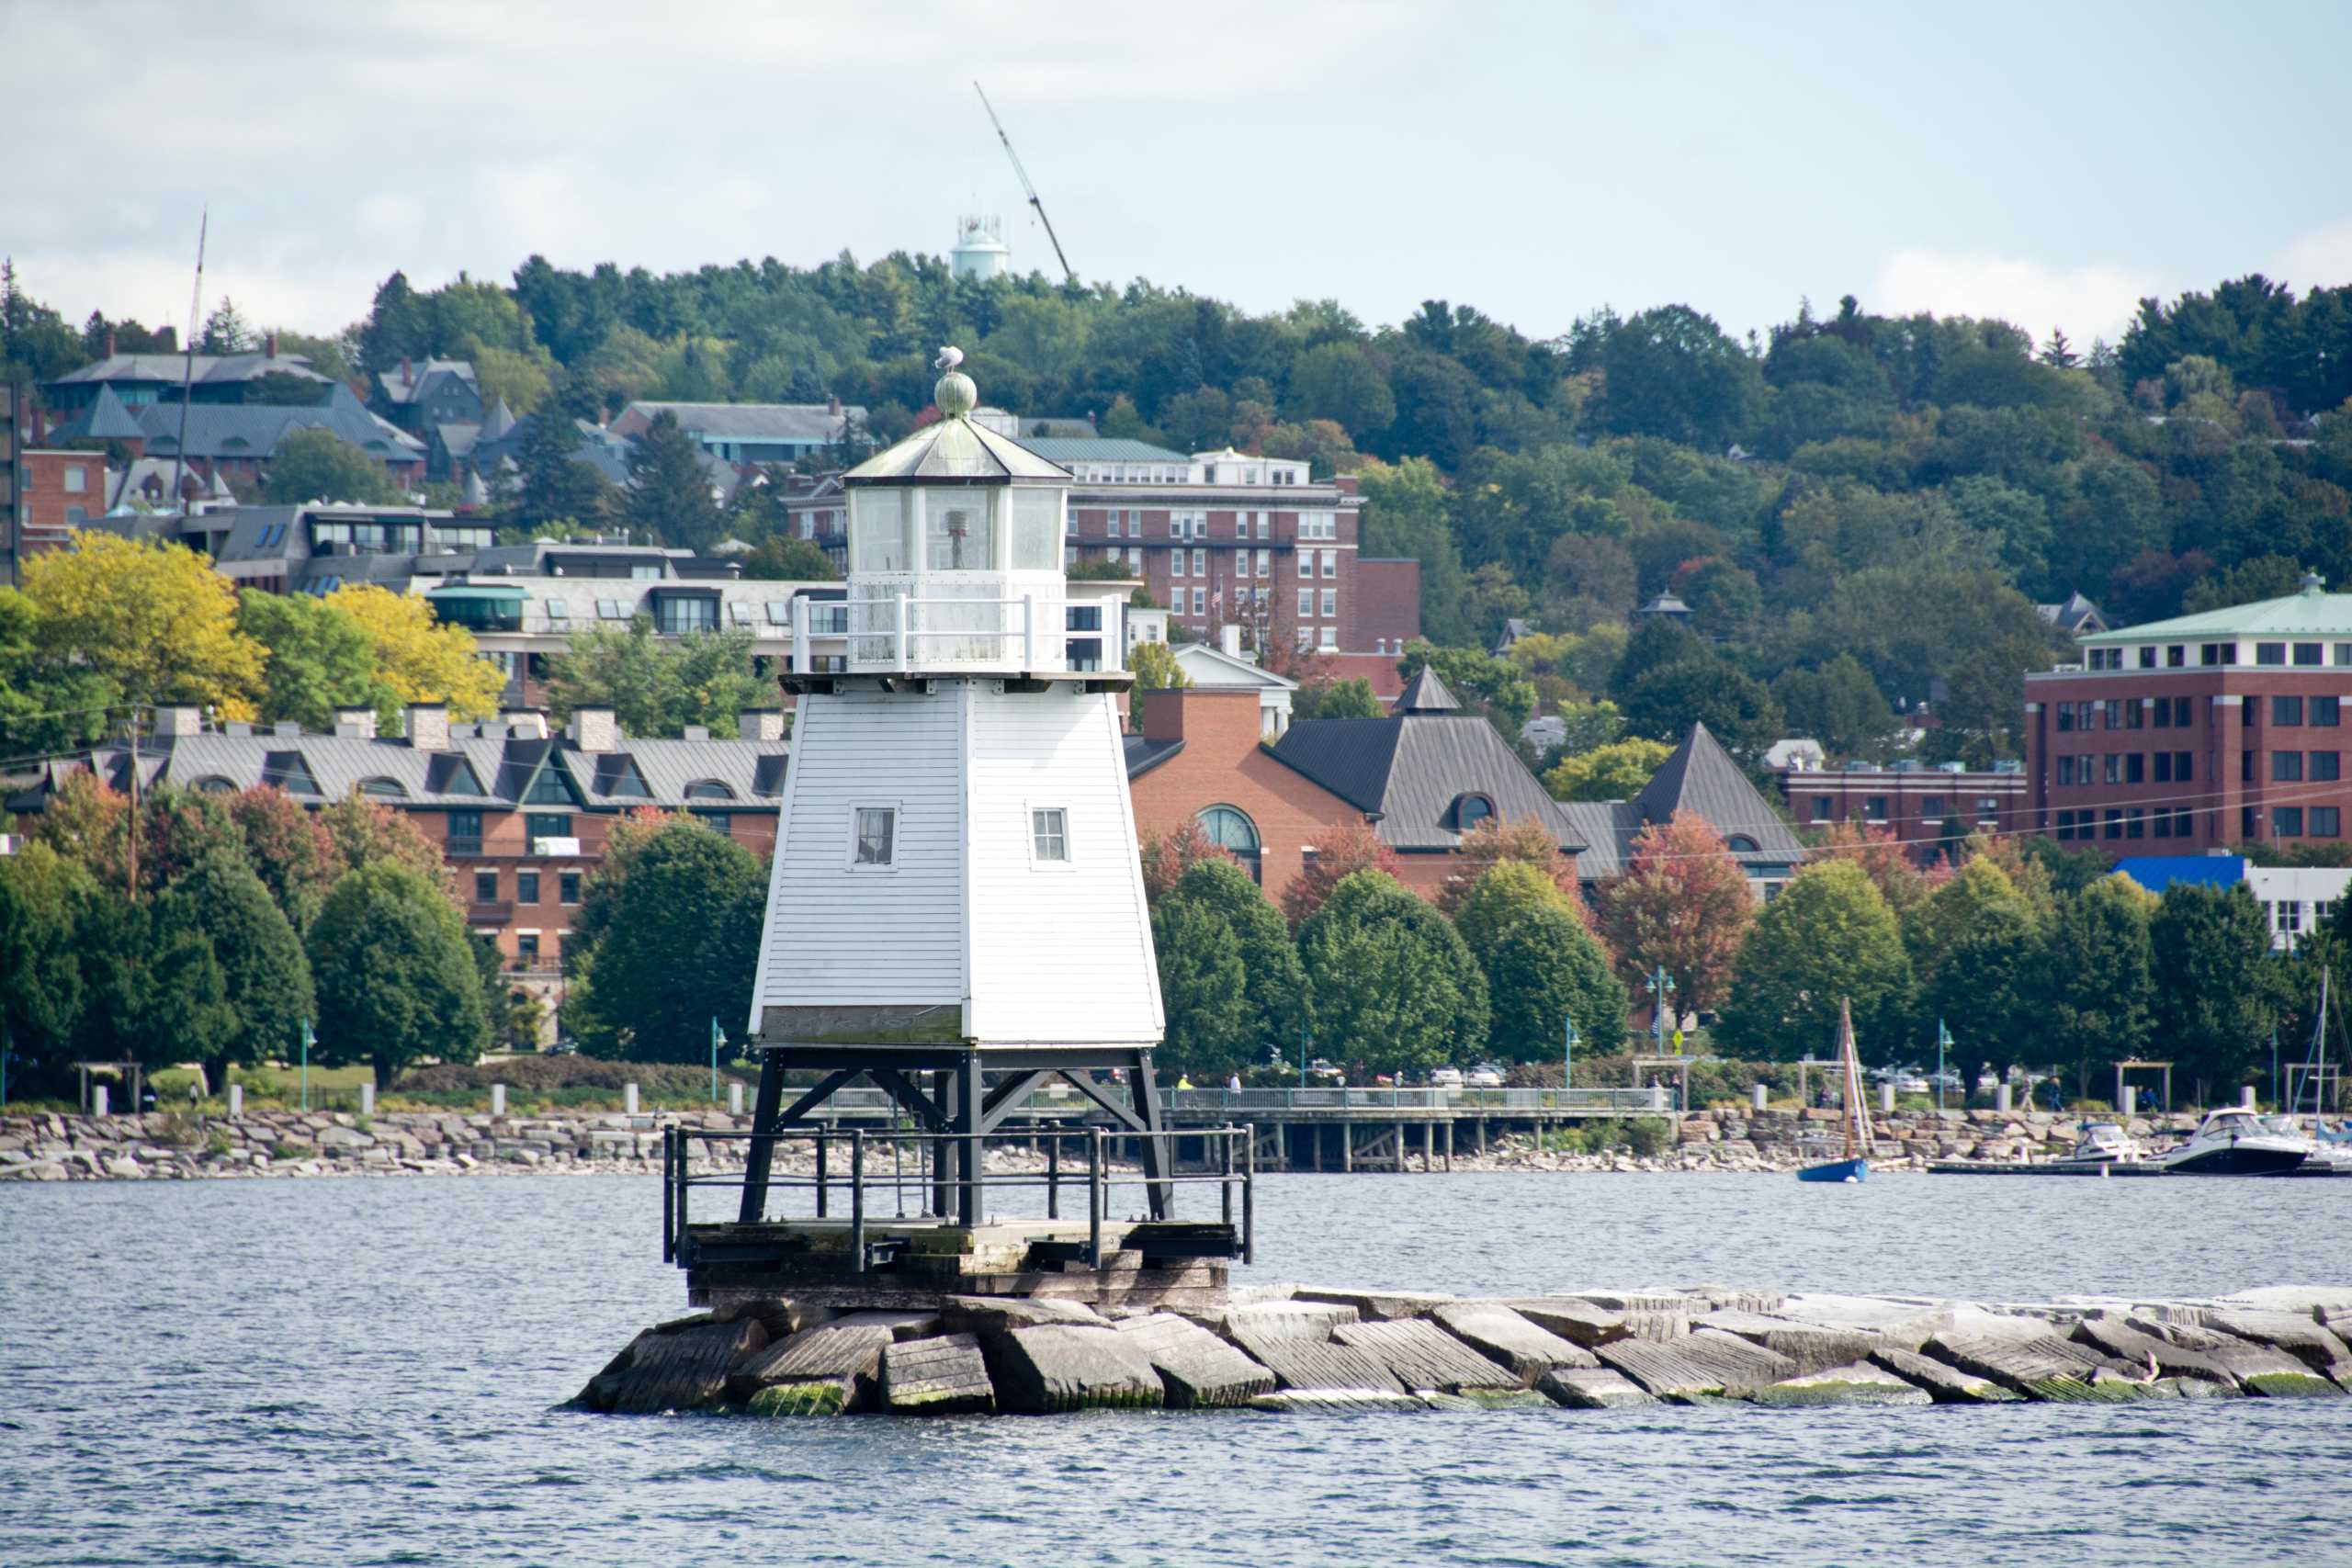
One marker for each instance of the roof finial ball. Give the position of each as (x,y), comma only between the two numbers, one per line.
(955,394)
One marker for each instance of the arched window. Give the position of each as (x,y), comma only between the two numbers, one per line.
(213,784)
(382,789)
(1741,844)
(708,789)
(1469,810)
(1230,829)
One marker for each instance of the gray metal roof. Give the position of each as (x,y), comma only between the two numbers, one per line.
(255,430)
(955,448)
(1068,449)
(207,369)
(1427,693)
(1414,768)
(778,423)
(422,377)
(1700,777)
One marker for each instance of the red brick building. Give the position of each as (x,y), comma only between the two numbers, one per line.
(58,491)
(1921,806)
(2198,732)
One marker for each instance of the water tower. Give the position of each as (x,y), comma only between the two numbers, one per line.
(956,911)
(981,251)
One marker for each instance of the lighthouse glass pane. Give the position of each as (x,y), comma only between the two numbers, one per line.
(960,532)
(1036,529)
(879,530)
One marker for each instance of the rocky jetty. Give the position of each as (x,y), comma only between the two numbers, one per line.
(1296,1348)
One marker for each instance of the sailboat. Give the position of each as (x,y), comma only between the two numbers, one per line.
(1856,1165)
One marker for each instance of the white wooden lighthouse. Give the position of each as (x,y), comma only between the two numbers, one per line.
(956,910)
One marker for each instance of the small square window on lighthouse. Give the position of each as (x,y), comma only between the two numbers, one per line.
(874,837)
(1049,835)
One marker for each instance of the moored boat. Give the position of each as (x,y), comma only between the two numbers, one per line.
(1856,1165)
(2101,1146)
(2233,1141)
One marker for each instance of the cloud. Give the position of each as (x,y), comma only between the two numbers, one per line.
(2090,301)
(2321,259)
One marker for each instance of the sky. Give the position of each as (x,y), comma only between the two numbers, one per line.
(2048,162)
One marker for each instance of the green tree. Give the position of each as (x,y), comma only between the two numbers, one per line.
(1275,986)
(1338,381)
(1390,984)
(1615,771)
(2099,978)
(1542,966)
(676,945)
(1973,943)
(394,974)
(266,979)
(1350,698)
(1479,680)
(778,559)
(1829,937)
(558,483)
(1672,372)
(669,493)
(41,895)
(1737,708)
(2210,949)
(1405,517)
(656,686)
(48,700)
(1211,1026)
(319,464)
(1841,706)
(317,658)
(153,991)
(154,620)
(1155,670)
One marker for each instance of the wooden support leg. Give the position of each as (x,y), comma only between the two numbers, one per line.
(1347,1147)
(942,1169)
(761,1158)
(1401,1166)
(1448,1148)
(967,1163)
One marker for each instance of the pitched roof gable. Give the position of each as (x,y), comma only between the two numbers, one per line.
(1700,777)
(1427,693)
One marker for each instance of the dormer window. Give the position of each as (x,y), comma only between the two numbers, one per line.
(1741,844)
(1469,810)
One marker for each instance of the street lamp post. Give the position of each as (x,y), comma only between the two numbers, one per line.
(1943,1038)
(1568,1059)
(308,1040)
(1660,985)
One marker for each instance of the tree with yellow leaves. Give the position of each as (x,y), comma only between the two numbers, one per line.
(153,619)
(420,658)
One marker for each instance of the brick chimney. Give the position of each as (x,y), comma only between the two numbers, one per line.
(407,378)
(355,723)
(594,730)
(179,720)
(110,353)
(833,405)
(524,723)
(760,724)
(270,345)
(428,727)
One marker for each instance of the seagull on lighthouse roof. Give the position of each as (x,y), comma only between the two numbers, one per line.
(949,357)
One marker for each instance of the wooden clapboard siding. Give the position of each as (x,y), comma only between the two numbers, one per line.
(835,937)
(1058,954)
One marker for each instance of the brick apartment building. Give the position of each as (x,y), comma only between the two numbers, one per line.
(1923,808)
(2198,732)
(57,491)
(521,814)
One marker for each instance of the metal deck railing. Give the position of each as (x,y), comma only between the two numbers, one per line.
(946,1166)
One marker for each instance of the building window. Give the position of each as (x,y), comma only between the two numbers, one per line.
(2164,713)
(2249,822)
(1328,642)
(610,610)
(1821,807)
(2112,768)
(2164,825)
(527,948)
(1306,602)
(2286,767)
(2327,711)
(1200,601)
(2270,653)
(1331,563)
(2325,766)
(526,887)
(1331,601)
(2327,822)
(1049,835)
(465,833)
(2134,823)
(2310,653)
(2135,769)
(1230,829)
(2147,659)
(2181,772)
(1874,808)
(2134,714)
(1200,563)
(2176,656)
(485,887)
(1265,563)
(2164,767)
(78,479)
(2115,824)
(2065,824)
(566,888)
(1175,563)
(2286,710)
(2180,719)
(875,835)
(2065,771)
(2286,821)
(2066,715)
(1306,563)
(547,824)
(1931,808)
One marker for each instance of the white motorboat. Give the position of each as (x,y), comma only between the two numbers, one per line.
(2232,1142)
(2102,1145)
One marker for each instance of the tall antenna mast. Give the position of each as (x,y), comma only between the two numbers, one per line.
(187,375)
(1068,271)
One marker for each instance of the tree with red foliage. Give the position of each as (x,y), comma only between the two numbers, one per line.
(290,848)
(1165,858)
(1683,906)
(1493,841)
(1340,853)
(1882,858)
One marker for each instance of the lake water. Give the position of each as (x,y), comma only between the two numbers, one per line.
(364,1372)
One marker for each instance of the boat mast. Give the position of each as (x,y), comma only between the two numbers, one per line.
(1857,1126)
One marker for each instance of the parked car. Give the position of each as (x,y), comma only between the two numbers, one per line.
(1487,1076)
(1446,1078)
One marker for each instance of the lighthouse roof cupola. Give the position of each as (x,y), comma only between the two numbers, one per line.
(955,547)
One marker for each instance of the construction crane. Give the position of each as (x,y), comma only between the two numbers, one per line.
(1068,271)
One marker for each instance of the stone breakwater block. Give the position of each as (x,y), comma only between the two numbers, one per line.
(1943,1385)
(2258,1369)
(848,1350)
(1485,1399)
(2301,1338)
(1907,1325)
(1309,1321)
(1857,1382)
(1732,1298)
(814,1396)
(1376,1306)
(1197,1367)
(1293,1401)
(1577,1321)
(1646,1315)
(1056,1367)
(1509,1339)
(1813,1349)
(1422,1355)
(943,1376)
(1302,1365)
(1703,1363)
(2043,1367)
(1590,1388)
(2320,1303)
(2111,1336)
(991,1317)
(686,1369)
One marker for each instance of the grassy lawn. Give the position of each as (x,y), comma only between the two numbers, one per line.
(330,1088)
